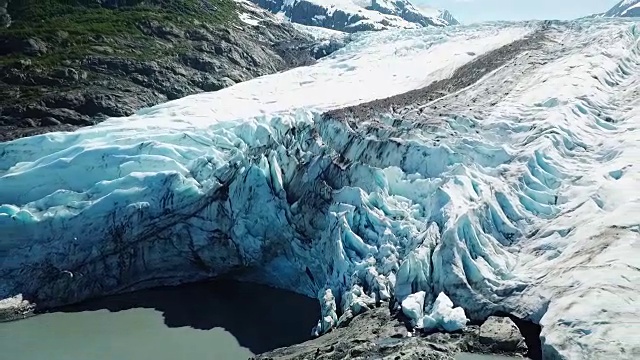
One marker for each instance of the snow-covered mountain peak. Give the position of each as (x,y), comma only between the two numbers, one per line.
(438,13)
(358,15)
(625,8)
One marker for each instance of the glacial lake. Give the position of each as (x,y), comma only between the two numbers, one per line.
(216,320)
(469,356)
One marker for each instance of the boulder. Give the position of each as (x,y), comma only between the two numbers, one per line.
(29,46)
(15,308)
(500,334)
(66,74)
(34,47)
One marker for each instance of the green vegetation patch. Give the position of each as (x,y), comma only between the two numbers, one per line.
(71,26)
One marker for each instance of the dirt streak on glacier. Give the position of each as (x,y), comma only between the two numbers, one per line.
(512,195)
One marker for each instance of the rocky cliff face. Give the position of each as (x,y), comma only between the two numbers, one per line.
(353,17)
(58,75)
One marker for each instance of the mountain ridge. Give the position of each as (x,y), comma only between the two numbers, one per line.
(625,8)
(356,15)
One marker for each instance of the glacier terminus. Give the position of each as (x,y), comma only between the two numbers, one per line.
(459,172)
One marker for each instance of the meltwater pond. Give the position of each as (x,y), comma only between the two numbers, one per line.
(469,356)
(213,320)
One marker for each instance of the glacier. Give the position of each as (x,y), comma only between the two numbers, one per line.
(518,197)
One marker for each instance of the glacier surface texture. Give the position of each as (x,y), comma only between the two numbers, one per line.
(521,195)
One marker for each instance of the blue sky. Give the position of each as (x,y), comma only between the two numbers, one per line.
(469,11)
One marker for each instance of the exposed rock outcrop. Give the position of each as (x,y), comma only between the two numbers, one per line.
(381,334)
(15,308)
(500,334)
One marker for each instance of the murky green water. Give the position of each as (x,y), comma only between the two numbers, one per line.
(469,356)
(218,321)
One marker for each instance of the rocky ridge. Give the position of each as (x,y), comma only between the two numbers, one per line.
(625,8)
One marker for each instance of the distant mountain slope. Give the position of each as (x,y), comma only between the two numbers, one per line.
(625,8)
(358,15)
(448,17)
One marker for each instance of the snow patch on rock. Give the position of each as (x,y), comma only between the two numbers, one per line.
(358,15)
(625,8)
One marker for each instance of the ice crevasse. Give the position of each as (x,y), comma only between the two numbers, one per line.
(527,208)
